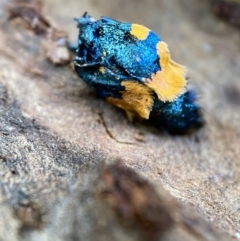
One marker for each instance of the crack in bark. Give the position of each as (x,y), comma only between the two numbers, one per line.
(111,135)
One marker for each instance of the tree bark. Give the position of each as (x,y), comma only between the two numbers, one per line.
(73,168)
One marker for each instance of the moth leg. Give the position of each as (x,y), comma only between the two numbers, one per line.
(116,75)
(79,60)
(130,115)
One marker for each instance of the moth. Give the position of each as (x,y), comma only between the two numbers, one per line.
(131,67)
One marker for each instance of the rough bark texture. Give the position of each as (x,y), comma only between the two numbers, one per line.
(60,146)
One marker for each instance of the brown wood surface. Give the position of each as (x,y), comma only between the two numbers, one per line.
(73,168)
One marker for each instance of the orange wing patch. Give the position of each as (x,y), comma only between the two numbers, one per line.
(170,82)
(137,98)
(139,31)
(102,70)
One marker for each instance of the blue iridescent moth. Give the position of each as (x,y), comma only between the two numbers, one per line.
(131,67)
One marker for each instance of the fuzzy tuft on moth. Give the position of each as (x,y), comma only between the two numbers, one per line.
(131,67)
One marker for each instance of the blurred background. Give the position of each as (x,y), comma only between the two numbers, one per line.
(56,136)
